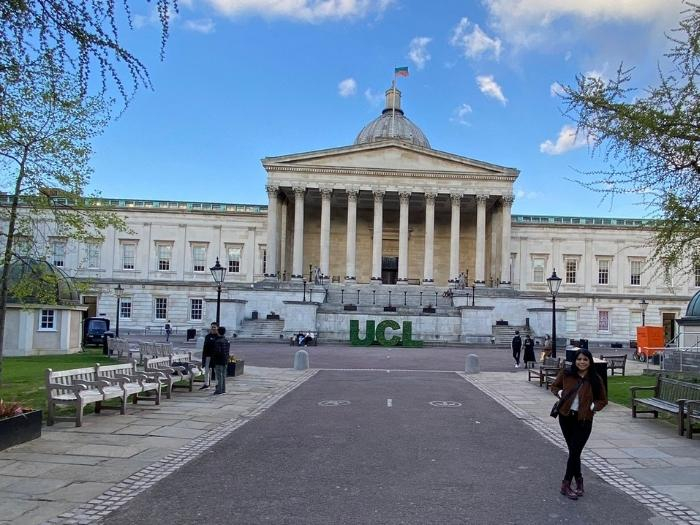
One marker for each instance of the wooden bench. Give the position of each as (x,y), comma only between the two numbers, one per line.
(79,387)
(669,395)
(615,362)
(131,380)
(169,375)
(546,372)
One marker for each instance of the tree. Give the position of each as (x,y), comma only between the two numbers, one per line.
(46,125)
(652,142)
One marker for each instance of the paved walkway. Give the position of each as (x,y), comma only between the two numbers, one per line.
(78,475)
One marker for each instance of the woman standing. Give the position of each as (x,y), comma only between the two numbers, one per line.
(529,349)
(582,393)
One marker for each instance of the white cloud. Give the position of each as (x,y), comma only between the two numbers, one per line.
(474,43)
(202,25)
(304,10)
(556,89)
(373,98)
(567,140)
(418,52)
(460,114)
(490,88)
(522,194)
(153,18)
(347,87)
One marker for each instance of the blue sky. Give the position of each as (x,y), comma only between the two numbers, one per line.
(246,79)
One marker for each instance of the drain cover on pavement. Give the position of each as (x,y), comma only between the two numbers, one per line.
(446,404)
(333,403)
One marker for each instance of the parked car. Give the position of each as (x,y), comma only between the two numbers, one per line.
(94,329)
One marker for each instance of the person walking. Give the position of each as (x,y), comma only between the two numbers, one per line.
(208,353)
(529,352)
(168,330)
(581,393)
(222,352)
(515,346)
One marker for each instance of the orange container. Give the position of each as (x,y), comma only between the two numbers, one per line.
(650,339)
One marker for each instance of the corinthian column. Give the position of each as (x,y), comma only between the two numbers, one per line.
(453,276)
(298,253)
(429,238)
(326,194)
(377,236)
(351,236)
(404,199)
(272,237)
(480,270)
(507,203)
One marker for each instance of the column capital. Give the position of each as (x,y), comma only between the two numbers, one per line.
(481,198)
(456,198)
(378,196)
(272,190)
(404,197)
(430,196)
(352,194)
(326,193)
(299,191)
(508,200)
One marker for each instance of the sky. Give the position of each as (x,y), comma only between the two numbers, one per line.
(248,79)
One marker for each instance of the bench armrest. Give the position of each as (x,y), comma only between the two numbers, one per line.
(75,387)
(116,380)
(99,384)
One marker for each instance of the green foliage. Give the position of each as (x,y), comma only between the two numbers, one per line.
(406,339)
(381,333)
(355,333)
(619,387)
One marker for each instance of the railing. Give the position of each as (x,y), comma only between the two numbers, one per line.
(385,298)
(685,351)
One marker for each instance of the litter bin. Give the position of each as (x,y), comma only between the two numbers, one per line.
(254,315)
(583,343)
(656,359)
(105,336)
(191,333)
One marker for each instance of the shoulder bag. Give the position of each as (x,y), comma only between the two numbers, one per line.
(555,409)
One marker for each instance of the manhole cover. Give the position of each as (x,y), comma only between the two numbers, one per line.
(446,404)
(333,403)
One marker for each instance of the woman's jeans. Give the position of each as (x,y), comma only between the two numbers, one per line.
(576,434)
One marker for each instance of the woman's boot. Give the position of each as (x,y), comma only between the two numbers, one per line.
(579,486)
(567,491)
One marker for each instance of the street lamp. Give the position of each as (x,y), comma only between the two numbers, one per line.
(119,292)
(554,282)
(643,305)
(218,272)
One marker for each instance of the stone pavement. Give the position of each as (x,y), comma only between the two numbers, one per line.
(78,475)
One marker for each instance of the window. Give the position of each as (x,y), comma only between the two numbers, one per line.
(125,308)
(635,272)
(161,308)
(196,308)
(635,321)
(47,320)
(603,321)
(697,274)
(128,250)
(603,271)
(570,277)
(571,320)
(199,258)
(538,269)
(58,250)
(263,259)
(93,254)
(234,259)
(164,254)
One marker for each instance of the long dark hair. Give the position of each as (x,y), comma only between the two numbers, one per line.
(591,374)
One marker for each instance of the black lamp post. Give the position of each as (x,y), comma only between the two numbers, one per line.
(643,305)
(218,272)
(119,292)
(304,296)
(554,282)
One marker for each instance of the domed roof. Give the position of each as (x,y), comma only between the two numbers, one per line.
(38,281)
(392,124)
(694,306)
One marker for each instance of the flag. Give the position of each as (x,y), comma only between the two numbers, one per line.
(401,71)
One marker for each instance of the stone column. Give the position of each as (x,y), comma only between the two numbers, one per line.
(429,238)
(506,204)
(351,236)
(272,233)
(404,199)
(298,250)
(377,236)
(453,276)
(326,194)
(480,270)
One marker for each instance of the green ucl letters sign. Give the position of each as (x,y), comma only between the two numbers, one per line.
(378,334)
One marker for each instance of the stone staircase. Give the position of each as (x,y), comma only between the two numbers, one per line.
(504,334)
(260,329)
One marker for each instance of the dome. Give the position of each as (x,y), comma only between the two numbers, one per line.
(38,281)
(694,306)
(392,124)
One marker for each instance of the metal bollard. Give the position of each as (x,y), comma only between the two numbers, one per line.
(301,360)
(472,364)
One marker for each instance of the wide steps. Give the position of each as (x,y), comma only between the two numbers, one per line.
(261,329)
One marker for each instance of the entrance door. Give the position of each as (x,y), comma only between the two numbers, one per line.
(390,270)
(669,326)
(91,302)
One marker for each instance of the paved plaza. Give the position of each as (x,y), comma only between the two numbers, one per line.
(367,435)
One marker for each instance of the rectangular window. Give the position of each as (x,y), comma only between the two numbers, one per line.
(161,308)
(603,321)
(603,271)
(571,265)
(697,274)
(196,309)
(635,273)
(47,320)
(234,259)
(164,254)
(571,321)
(199,258)
(538,269)
(635,321)
(58,250)
(263,259)
(125,308)
(93,254)
(128,250)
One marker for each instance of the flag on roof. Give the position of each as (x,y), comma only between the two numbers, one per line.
(401,71)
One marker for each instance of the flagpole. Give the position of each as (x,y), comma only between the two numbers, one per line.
(393,104)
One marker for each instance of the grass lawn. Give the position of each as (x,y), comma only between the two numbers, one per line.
(619,387)
(23,378)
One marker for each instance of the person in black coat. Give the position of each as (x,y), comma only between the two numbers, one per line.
(515,345)
(222,351)
(529,352)
(208,352)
